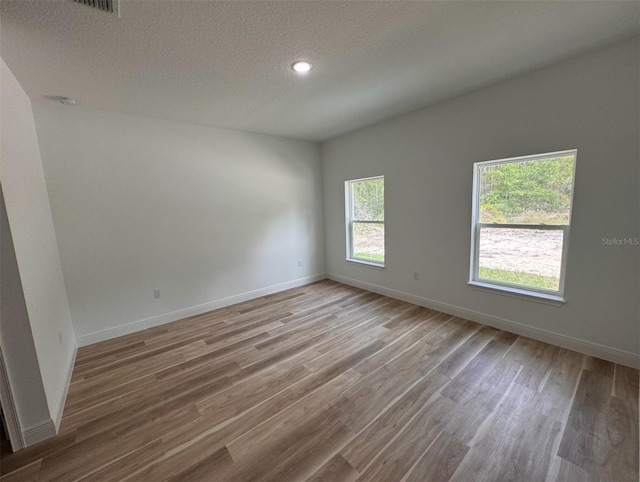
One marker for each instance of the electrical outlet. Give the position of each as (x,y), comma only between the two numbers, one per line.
(60,337)
(157,294)
(299,263)
(416,276)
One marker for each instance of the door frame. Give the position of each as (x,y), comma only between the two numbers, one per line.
(12,423)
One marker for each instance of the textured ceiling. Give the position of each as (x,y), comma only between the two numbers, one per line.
(226,63)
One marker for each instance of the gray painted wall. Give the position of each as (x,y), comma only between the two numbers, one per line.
(16,339)
(201,214)
(36,248)
(590,103)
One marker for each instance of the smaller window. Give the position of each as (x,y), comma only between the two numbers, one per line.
(365,220)
(520,225)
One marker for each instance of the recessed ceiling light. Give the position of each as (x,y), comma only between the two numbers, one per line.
(301,66)
(66,100)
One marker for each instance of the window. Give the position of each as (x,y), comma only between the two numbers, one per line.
(520,224)
(365,220)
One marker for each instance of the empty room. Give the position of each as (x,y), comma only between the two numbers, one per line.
(313,240)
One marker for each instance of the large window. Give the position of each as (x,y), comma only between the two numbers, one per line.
(365,220)
(520,225)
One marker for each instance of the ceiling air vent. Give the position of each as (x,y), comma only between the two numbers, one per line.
(111,6)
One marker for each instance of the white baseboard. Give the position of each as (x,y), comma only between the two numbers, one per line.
(39,432)
(63,390)
(139,325)
(576,344)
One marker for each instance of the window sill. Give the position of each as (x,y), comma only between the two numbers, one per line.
(365,263)
(523,294)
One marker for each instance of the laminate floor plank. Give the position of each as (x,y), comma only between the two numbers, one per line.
(111,379)
(287,330)
(118,469)
(345,348)
(261,411)
(409,317)
(93,412)
(92,357)
(555,397)
(26,472)
(513,442)
(538,366)
(295,415)
(269,301)
(77,405)
(454,363)
(250,392)
(14,461)
(601,436)
(466,383)
(232,343)
(207,435)
(93,452)
(568,472)
(336,469)
(372,394)
(379,304)
(366,446)
(204,468)
(230,331)
(440,460)
(608,454)
(480,400)
(236,350)
(625,384)
(622,437)
(282,345)
(338,367)
(591,403)
(316,338)
(396,347)
(104,347)
(294,455)
(597,365)
(331,382)
(352,331)
(397,459)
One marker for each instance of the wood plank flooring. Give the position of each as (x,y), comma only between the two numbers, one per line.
(331,383)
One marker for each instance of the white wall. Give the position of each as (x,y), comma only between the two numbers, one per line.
(201,214)
(590,103)
(36,249)
(16,339)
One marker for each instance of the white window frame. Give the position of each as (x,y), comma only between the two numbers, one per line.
(476,226)
(349,223)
